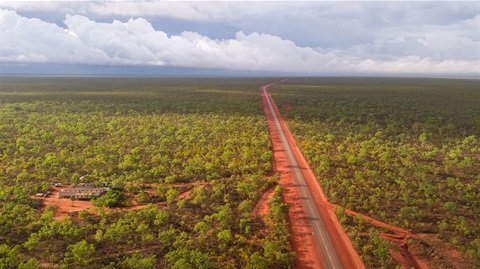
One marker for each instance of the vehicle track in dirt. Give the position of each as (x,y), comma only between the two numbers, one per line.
(262,207)
(317,236)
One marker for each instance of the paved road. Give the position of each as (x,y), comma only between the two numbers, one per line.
(328,255)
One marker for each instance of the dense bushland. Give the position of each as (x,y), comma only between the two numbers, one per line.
(137,133)
(404,151)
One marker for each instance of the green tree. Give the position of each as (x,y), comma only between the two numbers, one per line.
(171,195)
(112,198)
(9,256)
(225,236)
(474,251)
(80,253)
(257,261)
(184,258)
(138,261)
(72,198)
(32,263)
(201,228)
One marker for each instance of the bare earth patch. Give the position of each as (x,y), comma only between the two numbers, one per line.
(262,207)
(64,207)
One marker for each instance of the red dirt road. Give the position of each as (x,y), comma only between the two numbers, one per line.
(309,254)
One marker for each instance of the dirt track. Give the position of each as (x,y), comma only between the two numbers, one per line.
(262,207)
(303,240)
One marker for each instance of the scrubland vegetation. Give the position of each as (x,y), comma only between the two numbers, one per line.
(403,151)
(138,134)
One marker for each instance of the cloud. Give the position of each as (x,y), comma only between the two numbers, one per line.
(325,24)
(135,42)
(200,11)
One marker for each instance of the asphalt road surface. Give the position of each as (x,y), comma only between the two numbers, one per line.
(328,254)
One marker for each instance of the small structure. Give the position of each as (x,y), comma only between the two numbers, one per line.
(83,185)
(82,191)
(42,194)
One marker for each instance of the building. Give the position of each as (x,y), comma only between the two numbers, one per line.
(82,191)
(83,185)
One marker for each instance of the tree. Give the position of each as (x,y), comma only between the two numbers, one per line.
(9,257)
(32,263)
(474,251)
(201,228)
(184,258)
(137,261)
(112,198)
(198,196)
(380,247)
(257,261)
(142,197)
(80,253)
(171,195)
(72,198)
(225,236)
(162,191)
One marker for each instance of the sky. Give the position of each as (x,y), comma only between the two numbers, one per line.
(314,38)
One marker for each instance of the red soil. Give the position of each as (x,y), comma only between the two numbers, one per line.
(403,256)
(302,240)
(65,206)
(440,255)
(261,206)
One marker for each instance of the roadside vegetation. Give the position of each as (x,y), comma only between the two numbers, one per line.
(403,151)
(148,137)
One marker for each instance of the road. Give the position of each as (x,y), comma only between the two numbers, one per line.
(328,253)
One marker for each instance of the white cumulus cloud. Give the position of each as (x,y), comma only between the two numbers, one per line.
(136,42)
